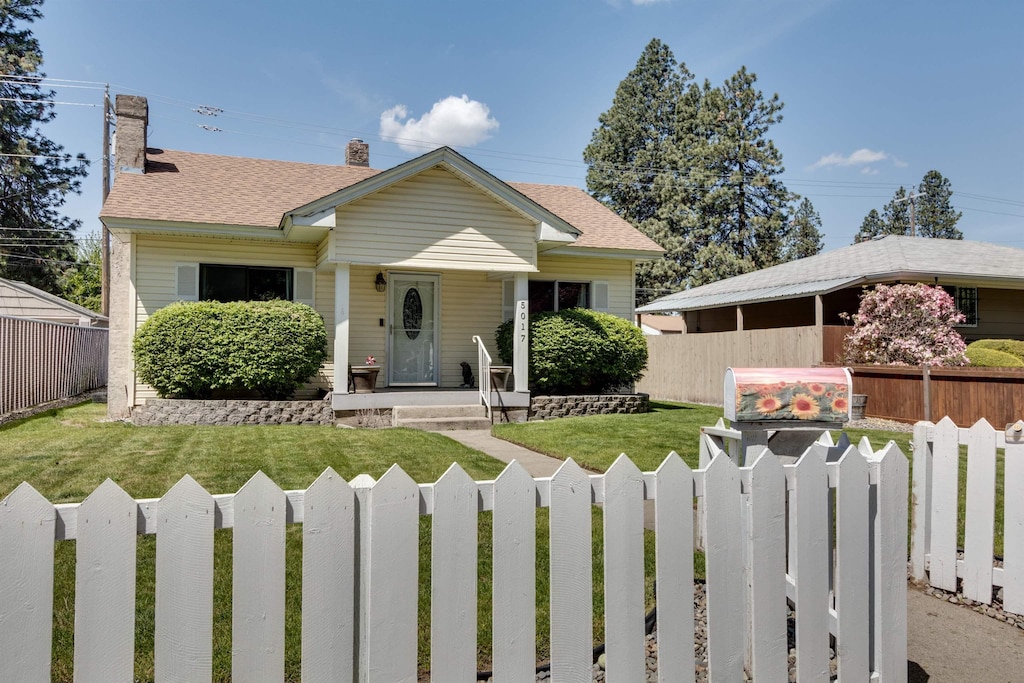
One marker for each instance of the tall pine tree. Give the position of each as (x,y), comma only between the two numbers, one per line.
(693,168)
(36,241)
(743,214)
(935,215)
(635,161)
(804,232)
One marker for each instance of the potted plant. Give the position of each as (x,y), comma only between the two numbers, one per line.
(364,377)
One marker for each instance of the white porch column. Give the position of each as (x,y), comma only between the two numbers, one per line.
(341,295)
(521,338)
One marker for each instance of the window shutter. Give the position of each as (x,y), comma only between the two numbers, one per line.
(601,296)
(187,281)
(305,286)
(508,299)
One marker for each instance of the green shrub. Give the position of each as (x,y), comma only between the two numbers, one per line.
(186,350)
(579,351)
(992,358)
(1012,346)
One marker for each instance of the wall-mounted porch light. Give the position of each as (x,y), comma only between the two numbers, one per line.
(380,283)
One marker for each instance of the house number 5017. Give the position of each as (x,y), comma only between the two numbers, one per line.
(522,316)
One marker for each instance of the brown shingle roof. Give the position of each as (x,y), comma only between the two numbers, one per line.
(188,187)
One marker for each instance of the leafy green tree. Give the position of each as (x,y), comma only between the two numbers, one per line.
(36,241)
(635,164)
(935,215)
(804,232)
(82,282)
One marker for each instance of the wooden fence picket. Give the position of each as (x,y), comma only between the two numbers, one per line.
(257,594)
(453,578)
(724,565)
(889,542)
(852,566)
(767,524)
(673,533)
(1013,527)
(184,584)
(514,583)
(328,581)
(920,534)
(624,571)
(388,643)
(572,587)
(26,585)
(808,528)
(980,512)
(944,505)
(105,586)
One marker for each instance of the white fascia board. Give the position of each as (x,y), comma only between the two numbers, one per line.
(128,226)
(604,253)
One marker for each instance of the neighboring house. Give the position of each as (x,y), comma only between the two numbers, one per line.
(789,315)
(660,324)
(19,300)
(406,265)
(986,280)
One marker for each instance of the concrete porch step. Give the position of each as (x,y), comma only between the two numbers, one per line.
(441,418)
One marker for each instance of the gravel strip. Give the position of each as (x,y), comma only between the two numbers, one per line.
(700,647)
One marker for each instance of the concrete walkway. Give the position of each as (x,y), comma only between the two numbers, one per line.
(945,642)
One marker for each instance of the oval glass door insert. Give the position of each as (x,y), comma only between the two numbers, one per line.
(412,313)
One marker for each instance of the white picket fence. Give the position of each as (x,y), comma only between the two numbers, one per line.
(934,546)
(360,573)
(42,361)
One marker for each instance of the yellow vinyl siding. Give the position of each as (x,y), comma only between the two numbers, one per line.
(470,305)
(434,221)
(618,273)
(156,258)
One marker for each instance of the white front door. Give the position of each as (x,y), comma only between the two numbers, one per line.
(414,316)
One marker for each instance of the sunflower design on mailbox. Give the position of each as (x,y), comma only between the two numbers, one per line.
(810,394)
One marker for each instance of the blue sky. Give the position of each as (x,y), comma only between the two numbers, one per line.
(876,93)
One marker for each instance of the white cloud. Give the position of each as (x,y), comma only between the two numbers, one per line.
(647,2)
(862,157)
(453,121)
(869,170)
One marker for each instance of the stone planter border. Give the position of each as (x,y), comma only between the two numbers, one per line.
(552,407)
(169,411)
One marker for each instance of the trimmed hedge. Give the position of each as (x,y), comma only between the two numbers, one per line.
(1013,347)
(188,349)
(982,357)
(579,351)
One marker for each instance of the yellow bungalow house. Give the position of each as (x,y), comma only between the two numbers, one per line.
(407,265)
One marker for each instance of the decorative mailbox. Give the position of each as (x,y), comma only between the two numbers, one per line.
(788,394)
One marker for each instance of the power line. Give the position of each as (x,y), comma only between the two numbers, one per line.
(25,101)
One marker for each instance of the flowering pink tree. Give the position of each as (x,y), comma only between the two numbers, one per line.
(906,325)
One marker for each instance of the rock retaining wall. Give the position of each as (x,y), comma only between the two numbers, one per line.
(551,407)
(166,411)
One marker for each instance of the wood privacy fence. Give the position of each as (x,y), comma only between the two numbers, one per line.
(42,361)
(934,542)
(691,367)
(360,573)
(965,395)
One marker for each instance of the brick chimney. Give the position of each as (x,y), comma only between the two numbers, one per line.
(357,153)
(130,142)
